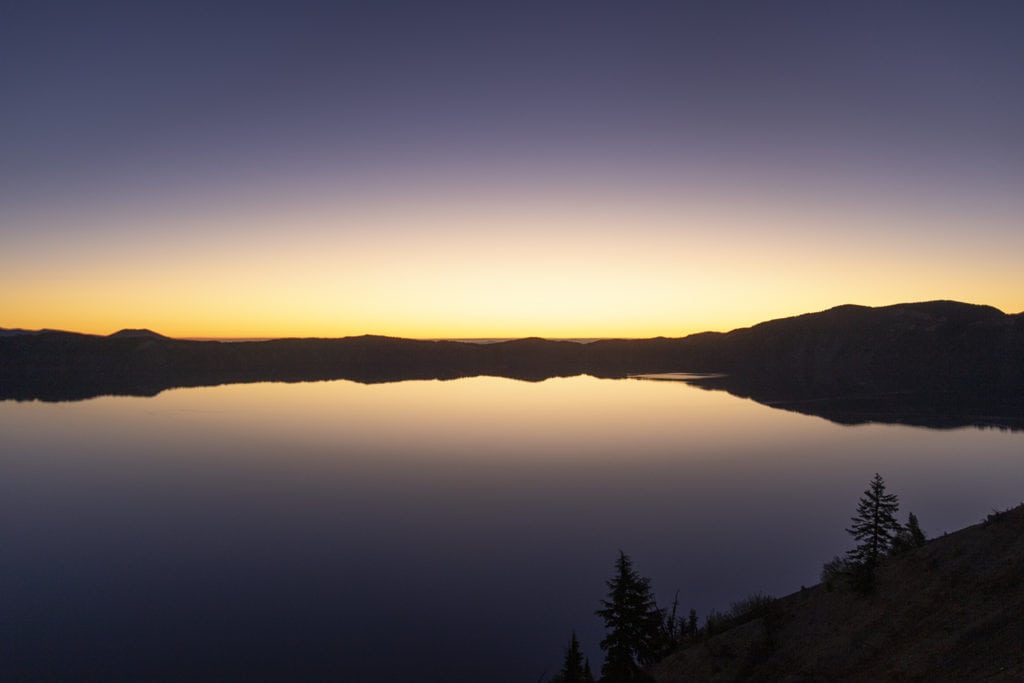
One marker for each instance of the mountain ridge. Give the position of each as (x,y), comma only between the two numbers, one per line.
(935,305)
(936,361)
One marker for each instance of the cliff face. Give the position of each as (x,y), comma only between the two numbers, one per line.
(949,611)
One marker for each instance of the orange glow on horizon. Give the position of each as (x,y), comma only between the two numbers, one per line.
(534,269)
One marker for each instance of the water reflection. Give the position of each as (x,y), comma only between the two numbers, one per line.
(423,530)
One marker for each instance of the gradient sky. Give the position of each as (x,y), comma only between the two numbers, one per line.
(480,169)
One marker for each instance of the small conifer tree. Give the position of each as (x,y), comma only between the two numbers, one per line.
(634,625)
(874,526)
(909,537)
(917,537)
(692,626)
(575,668)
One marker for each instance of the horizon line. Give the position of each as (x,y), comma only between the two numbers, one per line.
(472,339)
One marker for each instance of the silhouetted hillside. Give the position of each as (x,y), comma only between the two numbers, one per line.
(948,611)
(130,333)
(929,346)
(938,363)
(927,363)
(17,332)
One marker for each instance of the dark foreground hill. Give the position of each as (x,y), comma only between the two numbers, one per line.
(939,363)
(952,610)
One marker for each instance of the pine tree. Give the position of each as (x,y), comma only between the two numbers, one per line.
(575,669)
(874,526)
(634,625)
(917,537)
(692,626)
(910,536)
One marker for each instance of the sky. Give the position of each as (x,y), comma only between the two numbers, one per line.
(489,169)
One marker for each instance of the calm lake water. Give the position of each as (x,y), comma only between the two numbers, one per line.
(423,531)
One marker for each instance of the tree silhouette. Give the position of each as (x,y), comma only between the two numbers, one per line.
(692,626)
(910,536)
(672,631)
(917,537)
(874,526)
(634,625)
(575,669)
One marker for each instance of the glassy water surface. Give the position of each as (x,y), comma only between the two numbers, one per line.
(429,531)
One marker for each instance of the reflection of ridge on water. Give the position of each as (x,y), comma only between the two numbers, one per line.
(677,376)
(933,410)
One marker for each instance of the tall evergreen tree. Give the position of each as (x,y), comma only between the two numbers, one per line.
(874,526)
(575,669)
(634,625)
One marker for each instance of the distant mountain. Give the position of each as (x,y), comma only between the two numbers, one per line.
(17,332)
(128,333)
(948,611)
(938,363)
(125,333)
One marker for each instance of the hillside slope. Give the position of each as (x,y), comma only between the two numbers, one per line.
(952,610)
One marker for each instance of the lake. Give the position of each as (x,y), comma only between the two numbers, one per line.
(424,530)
